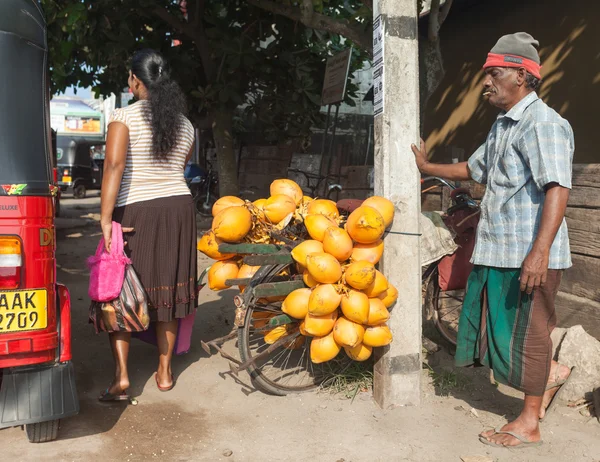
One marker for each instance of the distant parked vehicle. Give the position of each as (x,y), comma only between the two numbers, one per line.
(204,186)
(80,163)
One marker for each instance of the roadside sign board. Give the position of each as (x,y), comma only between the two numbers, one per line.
(336,77)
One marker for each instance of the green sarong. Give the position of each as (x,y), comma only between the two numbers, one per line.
(508,330)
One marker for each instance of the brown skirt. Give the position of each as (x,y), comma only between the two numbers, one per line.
(162,249)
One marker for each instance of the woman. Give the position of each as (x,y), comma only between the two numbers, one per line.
(147,147)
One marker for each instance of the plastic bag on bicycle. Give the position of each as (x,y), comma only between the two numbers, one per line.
(454,270)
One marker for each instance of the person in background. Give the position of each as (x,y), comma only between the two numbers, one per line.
(147,147)
(522,245)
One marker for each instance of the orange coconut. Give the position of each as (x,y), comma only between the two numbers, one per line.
(379,286)
(289,188)
(323,207)
(355,306)
(232,224)
(296,303)
(324,268)
(303,250)
(360,275)
(316,225)
(209,246)
(360,352)
(384,206)
(377,336)
(378,313)
(318,326)
(323,300)
(389,297)
(279,207)
(348,333)
(365,225)
(246,271)
(323,349)
(368,252)
(337,242)
(225,202)
(219,272)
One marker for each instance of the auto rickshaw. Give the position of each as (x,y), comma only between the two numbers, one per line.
(37,377)
(80,164)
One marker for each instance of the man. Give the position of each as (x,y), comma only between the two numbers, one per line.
(522,242)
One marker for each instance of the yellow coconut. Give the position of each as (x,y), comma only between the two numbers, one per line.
(308,279)
(379,286)
(368,252)
(378,313)
(246,271)
(360,275)
(348,333)
(324,268)
(316,225)
(323,300)
(232,224)
(296,303)
(275,334)
(220,272)
(319,326)
(384,206)
(323,207)
(389,297)
(323,349)
(302,329)
(355,306)
(337,242)
(209,246)
(365,225)
(289,188)
(360,352)
(377,336)
(301,251)
(307,199)
(278,207)
(225,202)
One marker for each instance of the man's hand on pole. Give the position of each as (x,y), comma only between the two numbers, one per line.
(420,155)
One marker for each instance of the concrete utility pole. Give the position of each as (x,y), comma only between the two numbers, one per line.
(396,85)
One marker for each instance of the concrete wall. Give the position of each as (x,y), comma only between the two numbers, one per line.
(456,115)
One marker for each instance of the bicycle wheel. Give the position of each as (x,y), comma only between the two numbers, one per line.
(285,369)
(445,308)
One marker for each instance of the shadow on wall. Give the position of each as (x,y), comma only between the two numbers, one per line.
(456,114)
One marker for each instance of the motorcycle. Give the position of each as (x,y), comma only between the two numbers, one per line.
(204,186)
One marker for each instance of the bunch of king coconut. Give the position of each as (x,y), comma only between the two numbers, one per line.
(346,299)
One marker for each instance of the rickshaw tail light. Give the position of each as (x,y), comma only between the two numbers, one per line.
(11,262)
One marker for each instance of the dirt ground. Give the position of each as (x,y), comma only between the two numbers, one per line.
(211,415)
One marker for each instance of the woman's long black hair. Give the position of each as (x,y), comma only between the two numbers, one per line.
(167,102)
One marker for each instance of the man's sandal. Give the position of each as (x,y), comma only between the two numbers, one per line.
(107,396)
(556,398)
(524,442)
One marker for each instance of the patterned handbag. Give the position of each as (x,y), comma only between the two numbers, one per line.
(126,313)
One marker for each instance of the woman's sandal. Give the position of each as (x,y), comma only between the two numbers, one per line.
(169,388)
(557,383)
(524,442)
(107,396)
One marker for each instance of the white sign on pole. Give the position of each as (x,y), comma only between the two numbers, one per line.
(378,95)
(336,77)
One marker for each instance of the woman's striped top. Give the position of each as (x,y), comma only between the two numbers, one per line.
(144,177)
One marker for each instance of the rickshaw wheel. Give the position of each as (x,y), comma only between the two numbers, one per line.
(79,191)
(42,432)
(284,370)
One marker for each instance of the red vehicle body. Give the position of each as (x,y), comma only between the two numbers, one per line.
(37,380)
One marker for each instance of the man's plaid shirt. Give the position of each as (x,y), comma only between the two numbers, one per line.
(527,148)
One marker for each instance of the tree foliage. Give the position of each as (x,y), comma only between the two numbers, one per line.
(233,58)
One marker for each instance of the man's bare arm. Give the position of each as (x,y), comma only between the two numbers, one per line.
(535,266)
(454,172)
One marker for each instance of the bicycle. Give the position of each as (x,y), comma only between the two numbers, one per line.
(313,188)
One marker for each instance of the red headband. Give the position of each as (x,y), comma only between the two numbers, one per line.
(497,60)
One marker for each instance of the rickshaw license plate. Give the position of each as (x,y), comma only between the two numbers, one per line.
(22,310)
(67,179)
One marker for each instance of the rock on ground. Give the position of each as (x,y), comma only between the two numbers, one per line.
(581,350)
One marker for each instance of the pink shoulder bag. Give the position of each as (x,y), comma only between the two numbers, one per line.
(107,270)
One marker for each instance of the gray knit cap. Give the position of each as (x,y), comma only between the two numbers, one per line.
(519,44)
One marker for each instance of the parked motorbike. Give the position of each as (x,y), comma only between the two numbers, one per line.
(204,186)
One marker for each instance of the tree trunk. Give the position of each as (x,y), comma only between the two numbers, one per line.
(222,133)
